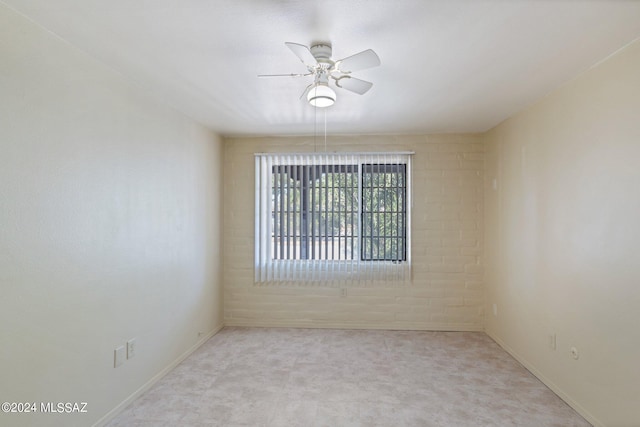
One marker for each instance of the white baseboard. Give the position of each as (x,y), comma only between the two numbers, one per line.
(146,386)
(546,381)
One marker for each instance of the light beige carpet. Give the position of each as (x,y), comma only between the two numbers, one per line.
(322,377)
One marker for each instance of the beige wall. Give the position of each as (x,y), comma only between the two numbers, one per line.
(110,229)
(562,233)
(446,292)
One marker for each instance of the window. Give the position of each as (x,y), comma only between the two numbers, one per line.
(332,217)
(383,210)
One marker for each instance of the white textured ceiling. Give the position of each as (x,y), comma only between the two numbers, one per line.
(447,65)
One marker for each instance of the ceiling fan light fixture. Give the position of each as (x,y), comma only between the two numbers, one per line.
(321,95)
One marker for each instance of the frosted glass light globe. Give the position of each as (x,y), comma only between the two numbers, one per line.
(321,95)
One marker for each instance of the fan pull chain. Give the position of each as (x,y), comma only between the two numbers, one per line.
(325,130)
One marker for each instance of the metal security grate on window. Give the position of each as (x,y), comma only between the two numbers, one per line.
(315,212)
(332,217)
(384,195)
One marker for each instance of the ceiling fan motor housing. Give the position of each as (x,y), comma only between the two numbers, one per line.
(322,53)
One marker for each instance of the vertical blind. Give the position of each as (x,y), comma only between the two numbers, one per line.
(333,218)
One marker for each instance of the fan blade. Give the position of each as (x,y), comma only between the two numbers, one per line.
(354,85)
(303,53)
(284,75)
(359,61)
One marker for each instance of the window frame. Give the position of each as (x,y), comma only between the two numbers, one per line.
(403,210)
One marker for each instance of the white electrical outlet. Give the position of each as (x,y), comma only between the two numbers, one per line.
(118,356)
(131,348)
(574,353)
(495,310)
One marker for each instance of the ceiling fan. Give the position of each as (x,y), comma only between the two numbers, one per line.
(318,61)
